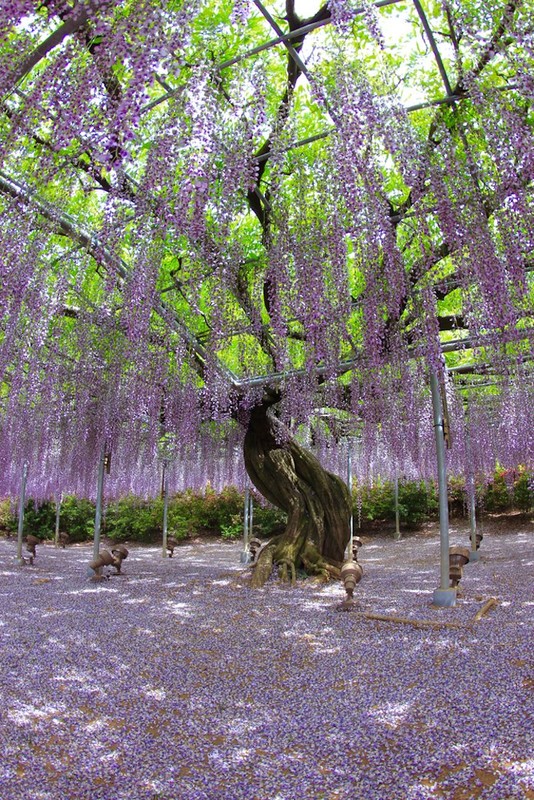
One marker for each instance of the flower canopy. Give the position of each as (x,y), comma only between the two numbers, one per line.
(202,203)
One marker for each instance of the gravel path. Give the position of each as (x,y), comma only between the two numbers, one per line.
(177,681)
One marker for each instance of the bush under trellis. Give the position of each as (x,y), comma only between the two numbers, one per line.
(192,514)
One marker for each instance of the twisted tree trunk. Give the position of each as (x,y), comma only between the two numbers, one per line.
(316,502)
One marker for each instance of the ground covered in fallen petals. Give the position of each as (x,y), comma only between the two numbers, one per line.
(178,681)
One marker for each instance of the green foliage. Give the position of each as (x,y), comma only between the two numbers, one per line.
(508,490)
(417,501)
(524,491)
(39,520)
(192,514)
(267,520)
(189,514)
(219,508)
(77,518)
(457,496)
(377,502)
(133,519)
(234,529)
(498,495)
(6,517)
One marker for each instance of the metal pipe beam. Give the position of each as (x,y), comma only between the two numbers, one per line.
(22,502)
(98,509)
(349,484)
(245,555)
(397,514)
(58,512)
(165,511)
(444,595)
(434,47)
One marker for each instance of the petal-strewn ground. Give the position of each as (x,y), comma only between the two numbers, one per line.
(177,681)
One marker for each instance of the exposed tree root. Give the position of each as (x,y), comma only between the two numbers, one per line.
(289,558)
(284,565)
(263,567)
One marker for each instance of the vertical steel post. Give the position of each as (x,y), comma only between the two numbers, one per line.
(474,555)
(245,555)
(445,595)
(58,511)
(397,514)
(165,482)
(471,490)
(349,484)
(98,509)
(22,502)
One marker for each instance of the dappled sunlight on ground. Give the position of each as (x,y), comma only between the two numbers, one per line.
(177,681)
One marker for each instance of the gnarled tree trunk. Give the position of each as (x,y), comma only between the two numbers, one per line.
(316,501)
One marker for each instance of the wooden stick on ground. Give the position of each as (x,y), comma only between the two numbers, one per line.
(418,623)
(489,604)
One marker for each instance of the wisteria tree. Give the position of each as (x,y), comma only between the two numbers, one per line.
(274,219)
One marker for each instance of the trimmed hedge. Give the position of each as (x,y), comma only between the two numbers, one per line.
(192,514)
(506,491)
(417,502)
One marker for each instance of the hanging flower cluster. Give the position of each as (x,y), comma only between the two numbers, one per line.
(163,242)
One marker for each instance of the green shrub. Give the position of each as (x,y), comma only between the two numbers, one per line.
(77,518)
(134,520)
(506,490)
(498,496)
(6,518)
(39,520)
(181,518)
(457,495)
(221,513)
(220,507)
(524,491)
(417,501)
(189,514)
(267,520)
(233,529)
(377,501)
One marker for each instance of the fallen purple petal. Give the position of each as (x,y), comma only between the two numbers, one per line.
(177,681)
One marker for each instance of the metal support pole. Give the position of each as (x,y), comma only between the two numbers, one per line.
(98,510)
(474,555)
(397,513)
(445,595)
(58,511)
(351,520)
(245,554)
(165,511)
(22,502)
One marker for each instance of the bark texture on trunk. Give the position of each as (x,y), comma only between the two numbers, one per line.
(316,502)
